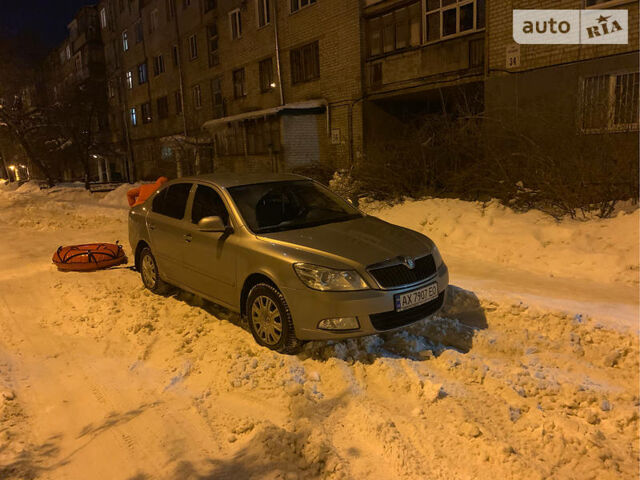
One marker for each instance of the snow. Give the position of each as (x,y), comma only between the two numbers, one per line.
(516,378)
(589,265)
(118,197)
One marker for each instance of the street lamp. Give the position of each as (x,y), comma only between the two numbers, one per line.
(16,172)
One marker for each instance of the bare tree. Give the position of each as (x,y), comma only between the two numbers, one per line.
(78,118)
(20,115)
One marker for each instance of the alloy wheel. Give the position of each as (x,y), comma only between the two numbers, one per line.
(149,274)
(267,320)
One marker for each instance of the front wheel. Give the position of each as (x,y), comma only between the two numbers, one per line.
(270,319)
(149,273)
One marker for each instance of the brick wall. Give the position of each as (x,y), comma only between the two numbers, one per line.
(334,24)
(500,36)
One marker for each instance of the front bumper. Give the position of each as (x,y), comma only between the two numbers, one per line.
(308,307)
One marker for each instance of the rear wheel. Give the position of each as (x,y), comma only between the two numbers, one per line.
(270,320)
(149,273)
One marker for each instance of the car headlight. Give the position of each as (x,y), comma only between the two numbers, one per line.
(329,279)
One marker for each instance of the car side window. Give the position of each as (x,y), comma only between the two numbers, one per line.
(207,203)
(172,201)
(158,201)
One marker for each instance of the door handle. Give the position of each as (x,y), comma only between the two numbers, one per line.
(152,226)
(187,238)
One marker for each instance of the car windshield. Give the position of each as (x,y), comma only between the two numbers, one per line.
(278,206)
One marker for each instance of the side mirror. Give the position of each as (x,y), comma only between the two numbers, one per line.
(213,224)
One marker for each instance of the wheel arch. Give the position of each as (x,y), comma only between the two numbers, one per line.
(250,282)
(141,246)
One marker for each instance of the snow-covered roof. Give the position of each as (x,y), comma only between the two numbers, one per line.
(306,105)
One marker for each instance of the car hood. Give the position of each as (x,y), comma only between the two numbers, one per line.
(365,240)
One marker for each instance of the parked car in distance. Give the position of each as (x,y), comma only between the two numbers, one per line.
(298,261)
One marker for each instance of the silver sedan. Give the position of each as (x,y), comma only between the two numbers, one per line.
(299,262)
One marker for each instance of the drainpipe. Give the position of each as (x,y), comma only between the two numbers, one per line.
(277,46)
(181,78)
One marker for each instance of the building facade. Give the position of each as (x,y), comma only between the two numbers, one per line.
(267,85)
(585,96)
(73,82)
(202,85)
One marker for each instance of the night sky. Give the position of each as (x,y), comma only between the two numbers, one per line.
(45,19)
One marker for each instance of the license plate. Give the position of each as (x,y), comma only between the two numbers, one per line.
(405,301)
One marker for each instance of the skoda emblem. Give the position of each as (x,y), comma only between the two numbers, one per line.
(408,262)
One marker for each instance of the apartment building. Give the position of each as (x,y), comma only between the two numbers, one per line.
(198,85)
(266,85)
(73,72)
(581,94)
(421,57)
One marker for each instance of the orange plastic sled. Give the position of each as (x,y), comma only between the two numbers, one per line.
(89,257)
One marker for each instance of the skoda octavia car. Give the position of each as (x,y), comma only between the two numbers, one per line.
(299,262)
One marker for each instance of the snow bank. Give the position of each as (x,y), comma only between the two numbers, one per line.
(31,186)
(118,197)
(524,393)
(602,250)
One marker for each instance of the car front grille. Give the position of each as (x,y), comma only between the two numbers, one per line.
(399,275)
(389,320)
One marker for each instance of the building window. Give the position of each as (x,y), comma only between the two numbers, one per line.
(396,30)
(103,18)
(264,12)
(67,52)
(163,107)
(305,63)
(256,137)
(171,9)
(111,89)
(145,110)
(129,79)
(153,21)
(239,88)
(78,61)
(217,98)
(212,34)
(175,55)
(266,75)
(142,73)
(158,65)
(196,93)
(139,31)
(178,98)
(445,18)
(209,5)
(125,41)
(193,46)
(298,4)
(133,116)
(235,24)
(610,102)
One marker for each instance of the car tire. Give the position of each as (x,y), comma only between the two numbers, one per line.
(270,319)
(149,273)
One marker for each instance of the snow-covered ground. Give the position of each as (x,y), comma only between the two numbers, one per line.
(531,370)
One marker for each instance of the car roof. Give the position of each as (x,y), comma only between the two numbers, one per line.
(227,180)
